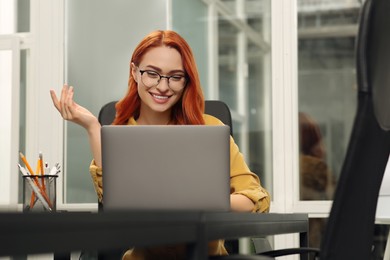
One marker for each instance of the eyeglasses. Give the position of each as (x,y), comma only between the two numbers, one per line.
(151,78)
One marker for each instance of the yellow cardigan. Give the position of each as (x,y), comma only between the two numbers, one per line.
(242,181)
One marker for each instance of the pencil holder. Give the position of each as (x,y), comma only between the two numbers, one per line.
(39,193)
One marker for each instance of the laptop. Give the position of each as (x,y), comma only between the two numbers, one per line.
(185,167)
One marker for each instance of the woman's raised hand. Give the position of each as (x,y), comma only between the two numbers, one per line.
(70,110)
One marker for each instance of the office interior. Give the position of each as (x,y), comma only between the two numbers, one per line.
(286,69)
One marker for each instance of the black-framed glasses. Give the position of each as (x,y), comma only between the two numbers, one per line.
(151,78)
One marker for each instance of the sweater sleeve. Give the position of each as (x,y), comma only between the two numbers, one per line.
(245,182)
(97,178)
(242,180)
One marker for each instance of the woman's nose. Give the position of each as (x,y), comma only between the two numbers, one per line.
(163,85)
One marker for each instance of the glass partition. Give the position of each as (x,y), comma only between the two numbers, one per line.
(326,75)
(23,15)
(236,67)
(244,69)
(327,95)
(98,52)
(227,63)
(22,112)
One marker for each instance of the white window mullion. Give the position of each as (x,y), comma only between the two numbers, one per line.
(284,103)
(267,96)
(242,91)
(212,38)
(285,112)
(169,14)
(44,124)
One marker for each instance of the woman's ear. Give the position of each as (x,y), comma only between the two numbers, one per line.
(133,71)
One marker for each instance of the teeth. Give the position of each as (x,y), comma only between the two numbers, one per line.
(159,97)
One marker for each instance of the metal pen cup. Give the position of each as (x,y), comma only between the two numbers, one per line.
(39,193)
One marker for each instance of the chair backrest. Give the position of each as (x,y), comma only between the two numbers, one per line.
(107,113)
(215,108)
(350,230)
(221,111)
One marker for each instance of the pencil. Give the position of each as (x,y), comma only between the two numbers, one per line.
(42,170)
(31,173)
(32,201)
(26,163)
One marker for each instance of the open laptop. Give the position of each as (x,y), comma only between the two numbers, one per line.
(182,167)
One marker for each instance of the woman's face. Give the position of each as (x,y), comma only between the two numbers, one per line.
(160,98)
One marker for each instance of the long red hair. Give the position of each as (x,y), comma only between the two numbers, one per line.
(190,108)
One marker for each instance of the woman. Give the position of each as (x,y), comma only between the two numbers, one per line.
(316,180)
(164,88)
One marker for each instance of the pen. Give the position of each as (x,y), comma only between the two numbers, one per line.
(55,170)
(47,168)
(35,188)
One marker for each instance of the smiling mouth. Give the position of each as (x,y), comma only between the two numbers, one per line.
(159,96)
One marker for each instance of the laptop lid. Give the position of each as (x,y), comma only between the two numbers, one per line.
(182,167)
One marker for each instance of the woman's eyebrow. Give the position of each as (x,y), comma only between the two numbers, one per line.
(160,71)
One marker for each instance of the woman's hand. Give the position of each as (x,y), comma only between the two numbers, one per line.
(75,113)
(71,111)
(241,203)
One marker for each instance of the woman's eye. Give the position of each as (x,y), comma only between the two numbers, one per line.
(152,74)
(176,77)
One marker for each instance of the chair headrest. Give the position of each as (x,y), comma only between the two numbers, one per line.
(373,57)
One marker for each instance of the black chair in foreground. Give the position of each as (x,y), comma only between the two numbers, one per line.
(350,229)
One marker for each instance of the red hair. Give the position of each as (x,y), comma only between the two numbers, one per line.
(310,137)
(190,108)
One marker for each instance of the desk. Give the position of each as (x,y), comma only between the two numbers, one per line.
(385,221)
(64,232)
(383,218)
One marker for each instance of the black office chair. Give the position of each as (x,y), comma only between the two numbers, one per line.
(350,229)
(212,107)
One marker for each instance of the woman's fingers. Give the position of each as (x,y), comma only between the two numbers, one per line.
(68,104)
(70,110)
(64,94)
(54,98)
(65,104)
